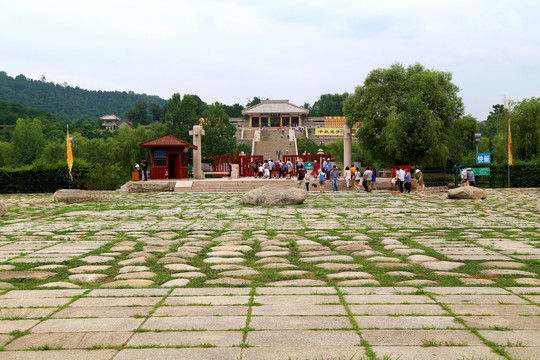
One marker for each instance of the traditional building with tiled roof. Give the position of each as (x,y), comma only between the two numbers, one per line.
(168,157)
(275,113)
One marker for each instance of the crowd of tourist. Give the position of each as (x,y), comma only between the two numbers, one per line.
(356,179)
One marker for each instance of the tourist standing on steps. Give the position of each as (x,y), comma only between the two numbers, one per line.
(271,166)
(308,181)
(472,178)
(300,178)
(138,169)
(347,177)
(145,169)
(229,169)
(401,178)
(408,180)
(315,170)
(419,180)
(299,165)
(357,178)
(334,174)
(368,178)
(322,179)
(395,181)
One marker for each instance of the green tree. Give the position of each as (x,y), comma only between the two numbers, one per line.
(158,113)
(6,154)
(404,114)
(139,114)
(308,144)
(329,105)
(525,123)
(256,100)
(28,141)
(462,139)
(234,110)
(182,115)
(219,133)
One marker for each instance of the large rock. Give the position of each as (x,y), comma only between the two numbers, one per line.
(76,195)
(272,195)
(70,195)
(3,208)
(148,186)
(467,192)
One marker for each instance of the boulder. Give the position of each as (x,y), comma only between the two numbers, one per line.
(467,192)
(272,195)
(77,195)
(70,195)
(3,209)
(149,186)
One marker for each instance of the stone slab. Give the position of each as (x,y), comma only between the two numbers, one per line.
(178,354)
(436,353)
(195,323)
(187,338)
(301,338)
(304,352)
(71,340)
(299,322)
(87,325)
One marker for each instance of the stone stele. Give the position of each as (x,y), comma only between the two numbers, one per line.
(272,195)
(467,192)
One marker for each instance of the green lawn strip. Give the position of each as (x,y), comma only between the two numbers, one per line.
(17,333)
(246,329)
(146,317)
(369,351)
(494,346)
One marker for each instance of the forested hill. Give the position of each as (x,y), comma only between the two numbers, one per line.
(71,103)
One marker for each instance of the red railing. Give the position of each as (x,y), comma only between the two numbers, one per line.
(246,162)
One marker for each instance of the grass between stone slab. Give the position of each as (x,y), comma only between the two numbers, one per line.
(367,347)
(17,333)
(246,329)
(494,346)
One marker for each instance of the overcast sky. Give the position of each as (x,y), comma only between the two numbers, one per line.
(233,50)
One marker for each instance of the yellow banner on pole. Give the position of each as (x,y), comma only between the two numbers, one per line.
(329,132)
(510,156)
(69,155)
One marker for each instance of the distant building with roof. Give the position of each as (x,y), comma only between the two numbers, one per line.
(275,113)
(113,122)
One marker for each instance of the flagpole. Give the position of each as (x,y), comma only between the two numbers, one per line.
(67,132)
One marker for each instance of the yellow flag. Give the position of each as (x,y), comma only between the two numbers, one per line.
(69,155)
(510,157)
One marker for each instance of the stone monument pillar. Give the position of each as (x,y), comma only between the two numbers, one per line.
(347,146)
(197,132)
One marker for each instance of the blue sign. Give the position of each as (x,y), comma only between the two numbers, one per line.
(483,158)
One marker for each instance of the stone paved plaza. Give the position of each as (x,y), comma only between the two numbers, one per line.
(201,276)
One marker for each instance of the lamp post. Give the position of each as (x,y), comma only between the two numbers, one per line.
(477,141)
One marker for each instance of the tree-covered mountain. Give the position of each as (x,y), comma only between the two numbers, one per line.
(71,103)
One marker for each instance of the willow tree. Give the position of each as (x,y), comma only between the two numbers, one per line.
(405,115)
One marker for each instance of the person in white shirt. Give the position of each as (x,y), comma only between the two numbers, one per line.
(464,177)
(401,178)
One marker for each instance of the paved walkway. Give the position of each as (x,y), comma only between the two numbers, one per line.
(200,276)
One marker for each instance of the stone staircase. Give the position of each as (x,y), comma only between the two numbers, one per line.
(271,142)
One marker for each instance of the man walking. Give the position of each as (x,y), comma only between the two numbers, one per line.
(472,177)
(368,177)
(334,174)
(408,180)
